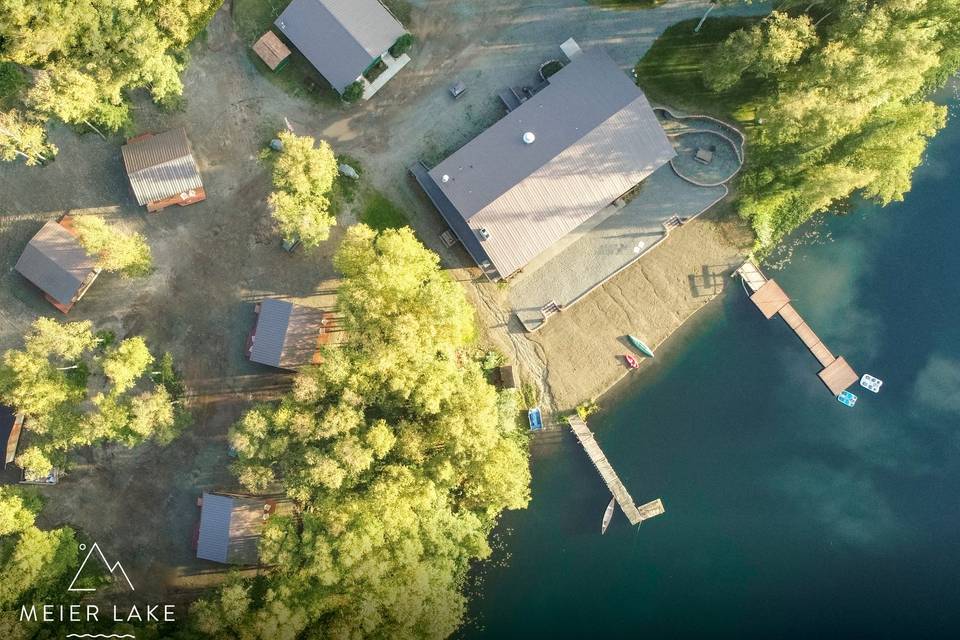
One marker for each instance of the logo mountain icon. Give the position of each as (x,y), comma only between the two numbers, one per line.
(115,569)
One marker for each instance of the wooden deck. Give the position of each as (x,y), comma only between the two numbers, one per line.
(634,515)
(771,300)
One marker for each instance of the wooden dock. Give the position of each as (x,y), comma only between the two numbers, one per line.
(836,374)
(634,514)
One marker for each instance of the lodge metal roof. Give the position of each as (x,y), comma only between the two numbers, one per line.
(596,137)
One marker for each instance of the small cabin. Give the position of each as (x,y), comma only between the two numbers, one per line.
(56,262)
(288,336)
(162,170)
(230,527)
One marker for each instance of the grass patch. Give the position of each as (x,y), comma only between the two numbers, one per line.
(671,72)
(380,213)
(297,77)
(402,10)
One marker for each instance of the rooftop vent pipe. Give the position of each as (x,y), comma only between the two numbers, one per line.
(445,178)
(529,138)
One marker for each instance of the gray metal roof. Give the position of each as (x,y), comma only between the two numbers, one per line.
(596,137)
(54,261)
(286,335)
(230,529)
(340,38)
(161,166)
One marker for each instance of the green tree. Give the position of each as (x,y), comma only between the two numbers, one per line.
(39,559)
(17,510)
(115,250)
(836,92)
(303,176)
(78,392)
(88,55)
(397,452)
(126,362)
(23,137)
(764,49)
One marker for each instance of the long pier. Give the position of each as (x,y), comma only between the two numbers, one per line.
(635,515)
(767,295)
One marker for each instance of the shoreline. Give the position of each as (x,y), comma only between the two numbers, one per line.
(582,347)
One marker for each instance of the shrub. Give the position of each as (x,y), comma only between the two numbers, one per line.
(353,92)
(402,45)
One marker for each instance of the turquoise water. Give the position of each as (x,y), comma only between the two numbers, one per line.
(788,514)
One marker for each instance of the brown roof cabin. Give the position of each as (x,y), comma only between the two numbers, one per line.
(288,336)
(162,170)
(58,265)
(271,50)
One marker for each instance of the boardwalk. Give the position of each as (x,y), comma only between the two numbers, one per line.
(634,515)
(771,300)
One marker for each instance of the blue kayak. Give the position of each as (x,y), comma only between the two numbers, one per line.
(536,420)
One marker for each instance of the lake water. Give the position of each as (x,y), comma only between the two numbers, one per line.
(788,514)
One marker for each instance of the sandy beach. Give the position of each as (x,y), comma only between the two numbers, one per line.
(581,348)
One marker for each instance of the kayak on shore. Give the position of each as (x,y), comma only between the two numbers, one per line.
(640,345)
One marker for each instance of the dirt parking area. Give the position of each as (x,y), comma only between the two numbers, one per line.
(214,260)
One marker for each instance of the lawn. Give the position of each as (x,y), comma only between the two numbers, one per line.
(380,213)
(671,71)
(374,209)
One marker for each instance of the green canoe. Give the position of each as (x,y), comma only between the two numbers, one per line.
(641,347)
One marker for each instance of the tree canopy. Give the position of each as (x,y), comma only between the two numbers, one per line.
(398,453)
(303,176)
(85,56)
(33,560)
(115,250)
(78,389)
(838,101)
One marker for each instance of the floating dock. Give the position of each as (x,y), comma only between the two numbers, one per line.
(836,374)
(635,515)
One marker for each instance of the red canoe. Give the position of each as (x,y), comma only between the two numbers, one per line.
(631,361)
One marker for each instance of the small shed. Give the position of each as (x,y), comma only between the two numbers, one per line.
(230,528)
(288,336)
(56,262)
(162,170)
(271,50)
(11,424)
